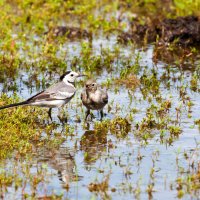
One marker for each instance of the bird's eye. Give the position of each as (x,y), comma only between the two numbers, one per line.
(72,74)
(93,84)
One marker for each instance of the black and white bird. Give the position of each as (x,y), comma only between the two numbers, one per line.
(55,96)
(93,97)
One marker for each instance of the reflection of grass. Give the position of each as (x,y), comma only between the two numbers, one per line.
(188,184)
(100,187)
(188,180)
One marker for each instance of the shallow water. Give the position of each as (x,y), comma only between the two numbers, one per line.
(79,163)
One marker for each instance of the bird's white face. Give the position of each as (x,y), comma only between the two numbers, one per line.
(70,77)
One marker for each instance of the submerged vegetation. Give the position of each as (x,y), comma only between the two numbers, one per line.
(145,52)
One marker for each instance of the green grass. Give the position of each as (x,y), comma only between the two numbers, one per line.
(20,128)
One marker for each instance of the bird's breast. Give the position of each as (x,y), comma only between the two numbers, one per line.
(93,101)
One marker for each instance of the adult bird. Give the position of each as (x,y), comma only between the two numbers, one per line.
(93,97)
(55,96)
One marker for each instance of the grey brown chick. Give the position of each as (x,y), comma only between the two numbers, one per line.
(93,97)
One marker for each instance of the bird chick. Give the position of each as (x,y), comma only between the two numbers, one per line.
(93,97)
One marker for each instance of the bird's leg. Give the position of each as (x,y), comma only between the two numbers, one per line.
(87,113)
(101,113)
(61,116)
(59,113)
(88,126)
(49,113)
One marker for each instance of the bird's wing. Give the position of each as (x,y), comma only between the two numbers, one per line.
(62,95)
(40,96)
(104,97)
(59,91)
(82,94)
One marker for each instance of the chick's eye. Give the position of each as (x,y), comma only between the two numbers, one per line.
(93,84)
(72,74)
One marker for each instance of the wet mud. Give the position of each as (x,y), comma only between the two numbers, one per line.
(181,30)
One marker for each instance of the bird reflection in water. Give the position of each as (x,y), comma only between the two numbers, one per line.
(93,144)
(62,160)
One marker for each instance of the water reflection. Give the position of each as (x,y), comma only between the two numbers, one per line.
(62,160)
(93,144)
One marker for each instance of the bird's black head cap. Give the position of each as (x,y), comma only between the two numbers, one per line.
(63,76)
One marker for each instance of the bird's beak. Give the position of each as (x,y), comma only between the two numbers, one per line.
(80,75)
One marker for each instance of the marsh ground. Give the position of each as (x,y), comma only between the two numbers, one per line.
(147,146)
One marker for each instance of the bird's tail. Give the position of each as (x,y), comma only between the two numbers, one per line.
(14,105)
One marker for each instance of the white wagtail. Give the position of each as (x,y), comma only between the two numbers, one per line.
(55,96)
(93,97)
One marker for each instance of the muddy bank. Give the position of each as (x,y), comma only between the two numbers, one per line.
(182,30)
